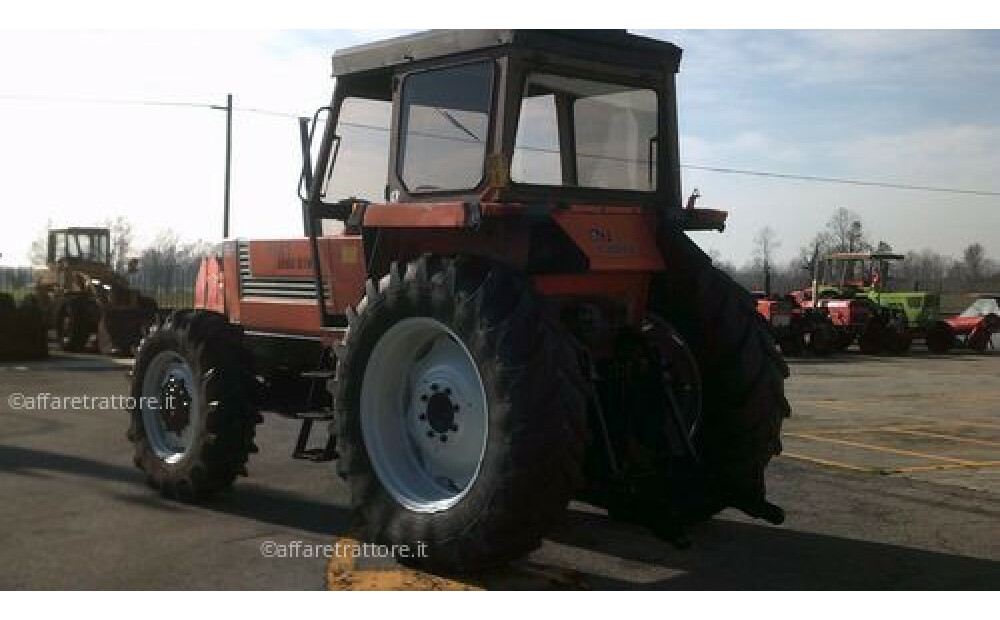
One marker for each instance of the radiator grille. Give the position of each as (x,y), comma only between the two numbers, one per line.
(284,288)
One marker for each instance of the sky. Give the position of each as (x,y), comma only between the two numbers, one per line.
(907,107)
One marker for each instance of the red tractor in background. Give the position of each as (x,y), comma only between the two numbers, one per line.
(796,329)
(848,316)
(839,291)
(494,306)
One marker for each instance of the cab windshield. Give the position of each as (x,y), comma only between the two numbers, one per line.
(584,133)
(81,245)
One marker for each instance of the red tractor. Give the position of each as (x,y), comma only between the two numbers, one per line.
(798,330)
(839,290)
(848,316)
(494,305)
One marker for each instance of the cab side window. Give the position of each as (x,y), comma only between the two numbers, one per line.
(362,164)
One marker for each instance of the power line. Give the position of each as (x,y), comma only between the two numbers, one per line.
(269,112)
(143,102)
(704,168)
(105,101)
(842,181)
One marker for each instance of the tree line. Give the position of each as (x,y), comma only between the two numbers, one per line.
(924,269)
(169,267)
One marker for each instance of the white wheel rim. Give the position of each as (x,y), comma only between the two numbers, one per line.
(425,456)
(170,440)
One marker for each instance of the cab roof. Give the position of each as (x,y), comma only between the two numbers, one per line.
(78,229)
(612,46)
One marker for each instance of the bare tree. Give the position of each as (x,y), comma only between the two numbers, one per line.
(925,270)
(122,238)
(765,243)
(38,254)
(843,232)
(974,264)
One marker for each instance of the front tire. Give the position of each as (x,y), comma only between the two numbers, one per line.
(195,438)
(480,467)
(822,337)
(940,338)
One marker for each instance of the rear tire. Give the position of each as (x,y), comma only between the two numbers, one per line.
(742,374)
(822,340)
(72,325)
(8,328)
(201,444)
(33,333)
(872,340)
(530,460)
(793,343)
(940,338)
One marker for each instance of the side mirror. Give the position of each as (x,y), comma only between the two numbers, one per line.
(307,135)
(133,265)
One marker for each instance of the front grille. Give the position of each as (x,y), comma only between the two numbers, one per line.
(283,288)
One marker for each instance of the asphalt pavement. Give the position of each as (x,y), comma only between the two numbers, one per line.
(75,513)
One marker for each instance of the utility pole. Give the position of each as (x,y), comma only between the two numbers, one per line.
(229,160)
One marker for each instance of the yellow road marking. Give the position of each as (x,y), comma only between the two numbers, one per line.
(823,404)
(969,465)
(846,431)
(869,446)
(938,421)
(828,463)
(937,425)
(913,431)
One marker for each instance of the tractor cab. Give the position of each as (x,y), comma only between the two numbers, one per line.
(850,273)
(527,136)
(91,245)
(511,116)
